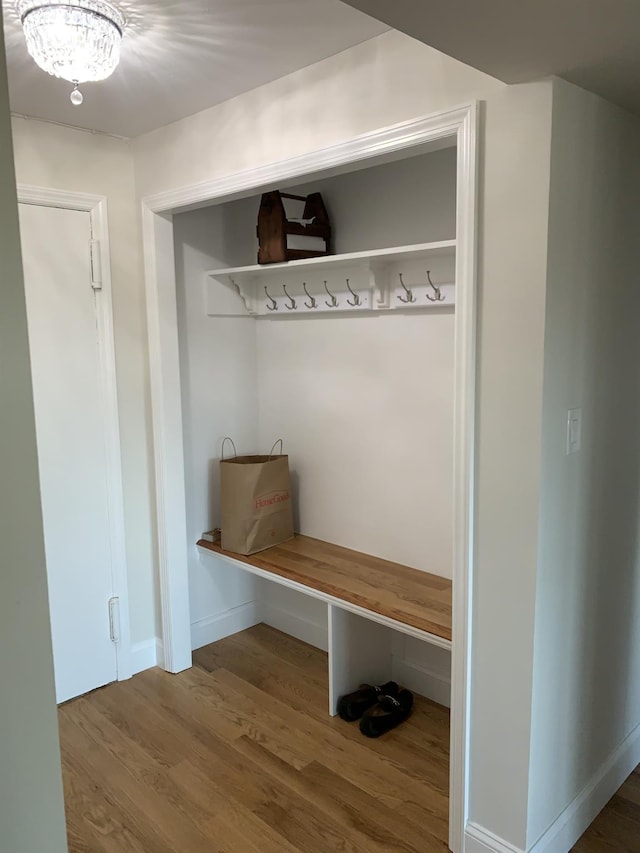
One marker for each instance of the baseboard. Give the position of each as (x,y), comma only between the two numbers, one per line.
(422,680)
(565,831)
(289,623)
(214,628)
(580,814)
(477,839)
(144,655)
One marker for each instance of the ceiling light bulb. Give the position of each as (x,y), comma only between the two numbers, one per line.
(77,40)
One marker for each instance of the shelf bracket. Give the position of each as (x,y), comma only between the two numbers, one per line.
(246,298)
(379,280)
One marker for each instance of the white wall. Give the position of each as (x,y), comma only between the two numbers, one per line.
(294,613)
(219,395)
(586,697)
(407,201)
(31,805)
(386,80)
(57,157)
(365,404)
(395,204)
(383,81)
(365,408)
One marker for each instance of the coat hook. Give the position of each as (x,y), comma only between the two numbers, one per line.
(356,298)
(274,304)
(312,300)
(438,294)
(293,305)
(409,295)
(334,301)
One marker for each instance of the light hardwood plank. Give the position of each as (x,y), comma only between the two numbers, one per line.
(408,834)
(144,802)
(396,758)
(617,827)
(226,758)
(255,657)
(409,596)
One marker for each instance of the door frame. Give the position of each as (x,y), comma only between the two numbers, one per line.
(96,207)
(459,124)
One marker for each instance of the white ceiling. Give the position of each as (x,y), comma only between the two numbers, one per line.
(182,56)
(593,43)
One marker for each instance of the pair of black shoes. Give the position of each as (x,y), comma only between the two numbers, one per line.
(379,708)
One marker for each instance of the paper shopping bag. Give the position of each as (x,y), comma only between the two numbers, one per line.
(255,499)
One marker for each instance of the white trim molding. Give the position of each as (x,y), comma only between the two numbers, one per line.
(216,627)
(455,127)
(574,821)
(166,417)
(144,655)
(580,814)
(310,632)
(96,206)
(429,130)
(464,440)
(480,840)
(422,679)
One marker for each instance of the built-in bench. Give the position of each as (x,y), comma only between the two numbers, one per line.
(366,596)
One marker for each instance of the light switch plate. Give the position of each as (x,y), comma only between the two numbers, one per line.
(574,431)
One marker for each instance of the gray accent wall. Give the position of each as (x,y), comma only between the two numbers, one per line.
(31,803)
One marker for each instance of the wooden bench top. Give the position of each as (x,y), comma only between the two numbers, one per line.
(409,596)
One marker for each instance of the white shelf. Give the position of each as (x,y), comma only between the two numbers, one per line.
(359,281)
(443,247)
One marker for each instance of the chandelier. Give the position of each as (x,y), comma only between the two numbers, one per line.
(77,40)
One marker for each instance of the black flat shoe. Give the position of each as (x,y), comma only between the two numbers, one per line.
(388,712)
(353,705)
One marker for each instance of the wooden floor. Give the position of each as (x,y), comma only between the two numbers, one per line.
(617,827)
(240,755)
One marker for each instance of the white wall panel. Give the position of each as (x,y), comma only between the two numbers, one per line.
(586,689)
(218,373)
(365,408)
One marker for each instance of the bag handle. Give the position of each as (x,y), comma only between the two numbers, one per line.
(235,452)
(277,441)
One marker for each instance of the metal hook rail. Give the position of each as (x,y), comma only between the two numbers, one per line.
(408,298)
(312,300)
(292,306)
(355,303)
(438,293)
(274,304)
(334,301)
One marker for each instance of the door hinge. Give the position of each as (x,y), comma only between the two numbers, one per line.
(96,264)
(114,619)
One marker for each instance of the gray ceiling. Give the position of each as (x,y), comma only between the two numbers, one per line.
(182,56)
(593,43)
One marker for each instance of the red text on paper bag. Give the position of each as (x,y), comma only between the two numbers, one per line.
(271,498)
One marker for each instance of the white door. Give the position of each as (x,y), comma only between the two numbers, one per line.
(69,408)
